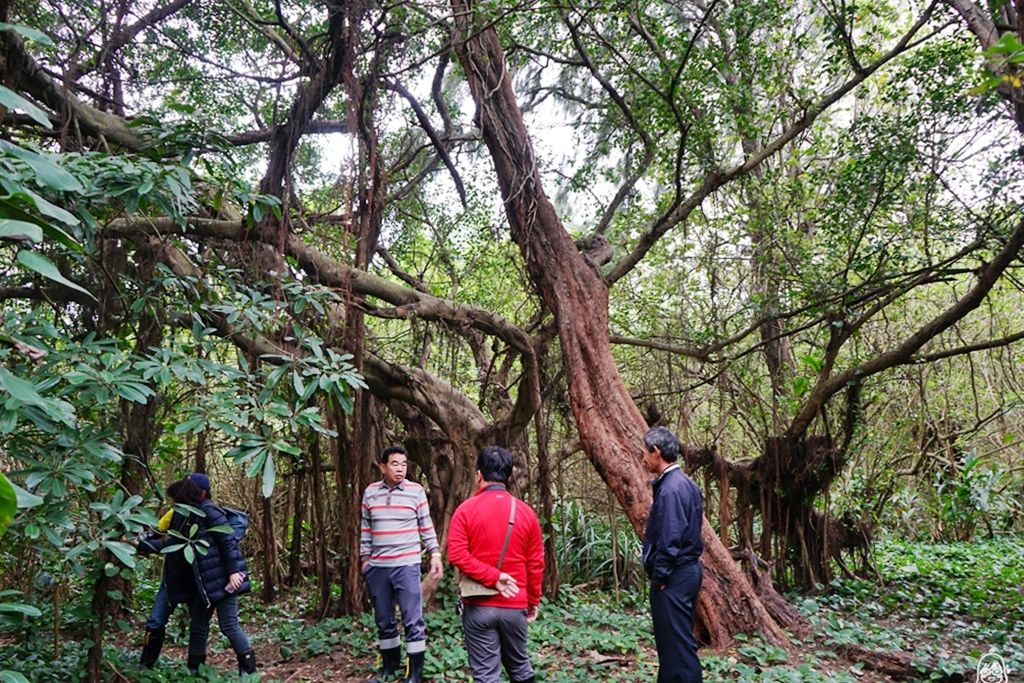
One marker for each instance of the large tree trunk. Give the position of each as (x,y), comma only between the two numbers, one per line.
(610,425)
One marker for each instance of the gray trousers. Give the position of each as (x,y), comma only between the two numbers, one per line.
(388,585)
(496,636)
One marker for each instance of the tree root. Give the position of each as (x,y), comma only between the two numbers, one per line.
(896,665)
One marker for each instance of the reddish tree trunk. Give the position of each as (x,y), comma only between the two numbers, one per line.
(610,425)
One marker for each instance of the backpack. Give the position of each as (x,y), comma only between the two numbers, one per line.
(237,520)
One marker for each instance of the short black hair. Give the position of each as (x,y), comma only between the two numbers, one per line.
(664,440)
(495,464)
(386,455)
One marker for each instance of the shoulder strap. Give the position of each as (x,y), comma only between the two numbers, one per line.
(508,534)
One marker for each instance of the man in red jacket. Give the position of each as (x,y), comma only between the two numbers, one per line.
(495,625)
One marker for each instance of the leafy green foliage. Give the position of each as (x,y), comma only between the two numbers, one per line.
(584,542)
(948,602)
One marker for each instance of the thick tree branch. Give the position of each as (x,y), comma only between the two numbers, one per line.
(988,275)
(435,139)
(125,34)
(32,79)
(266,134)
(409,303)
(286,136)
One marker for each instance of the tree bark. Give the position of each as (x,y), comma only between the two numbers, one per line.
(610,425)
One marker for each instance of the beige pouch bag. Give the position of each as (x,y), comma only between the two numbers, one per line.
(471,588)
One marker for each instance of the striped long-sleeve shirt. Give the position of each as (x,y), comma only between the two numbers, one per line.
(394,522)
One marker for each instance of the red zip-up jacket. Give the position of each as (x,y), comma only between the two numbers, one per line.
(475,538)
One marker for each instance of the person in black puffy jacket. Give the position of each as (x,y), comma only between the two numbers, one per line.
(205,569)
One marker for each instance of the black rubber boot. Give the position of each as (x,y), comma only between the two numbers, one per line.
(531,679)
(152,643)
(390,660)
(247,662)
(415,669)
(194,661)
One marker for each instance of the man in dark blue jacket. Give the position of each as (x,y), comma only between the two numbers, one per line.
(672,549)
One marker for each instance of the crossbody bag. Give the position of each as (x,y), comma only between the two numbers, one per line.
(470,588)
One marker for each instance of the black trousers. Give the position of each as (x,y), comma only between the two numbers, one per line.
(672,611)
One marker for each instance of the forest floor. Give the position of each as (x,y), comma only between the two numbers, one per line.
(944,605)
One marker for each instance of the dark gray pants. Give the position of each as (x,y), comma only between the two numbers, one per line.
(672,613)
(496,636)
(388,585)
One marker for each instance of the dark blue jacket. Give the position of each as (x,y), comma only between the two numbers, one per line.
(672,537)
(207,576)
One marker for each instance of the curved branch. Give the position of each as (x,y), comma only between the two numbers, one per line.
(265,134)
(124,35)
(409,303)
(449,408)
(16,62)
(715,180)
(963,350)
(988,275)
(286,136)
(442,150)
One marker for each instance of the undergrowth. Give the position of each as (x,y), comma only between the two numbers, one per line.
(945,604)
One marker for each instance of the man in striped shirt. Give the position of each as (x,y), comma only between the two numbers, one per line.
(396,518)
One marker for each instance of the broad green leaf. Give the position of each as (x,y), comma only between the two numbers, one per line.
(12,677)
(21,231)
(49,209)
(195,424)
(19,608)
(20,389)
(124,552)
(47,172)
(9,209)
(26,499)
(13,100)
(26,32)
(45,267)
(269,476)
(8,503)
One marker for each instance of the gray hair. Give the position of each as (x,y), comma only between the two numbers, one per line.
(664,440)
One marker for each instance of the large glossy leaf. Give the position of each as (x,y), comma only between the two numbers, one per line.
(20,231)
(8,503)
(269,476)
(124,552)
(13,100)
(49,209)
(47,172)
(26,499)
(20,608)
(45,267)
(20,389)
(27,32)
(9,209)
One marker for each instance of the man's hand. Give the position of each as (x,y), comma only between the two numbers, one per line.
(436,569)
(531,613)
(235,581)
(507,585)
(362,569)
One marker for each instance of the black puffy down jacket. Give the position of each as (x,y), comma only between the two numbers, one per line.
(207,576)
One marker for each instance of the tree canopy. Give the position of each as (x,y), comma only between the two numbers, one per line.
(290,235)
